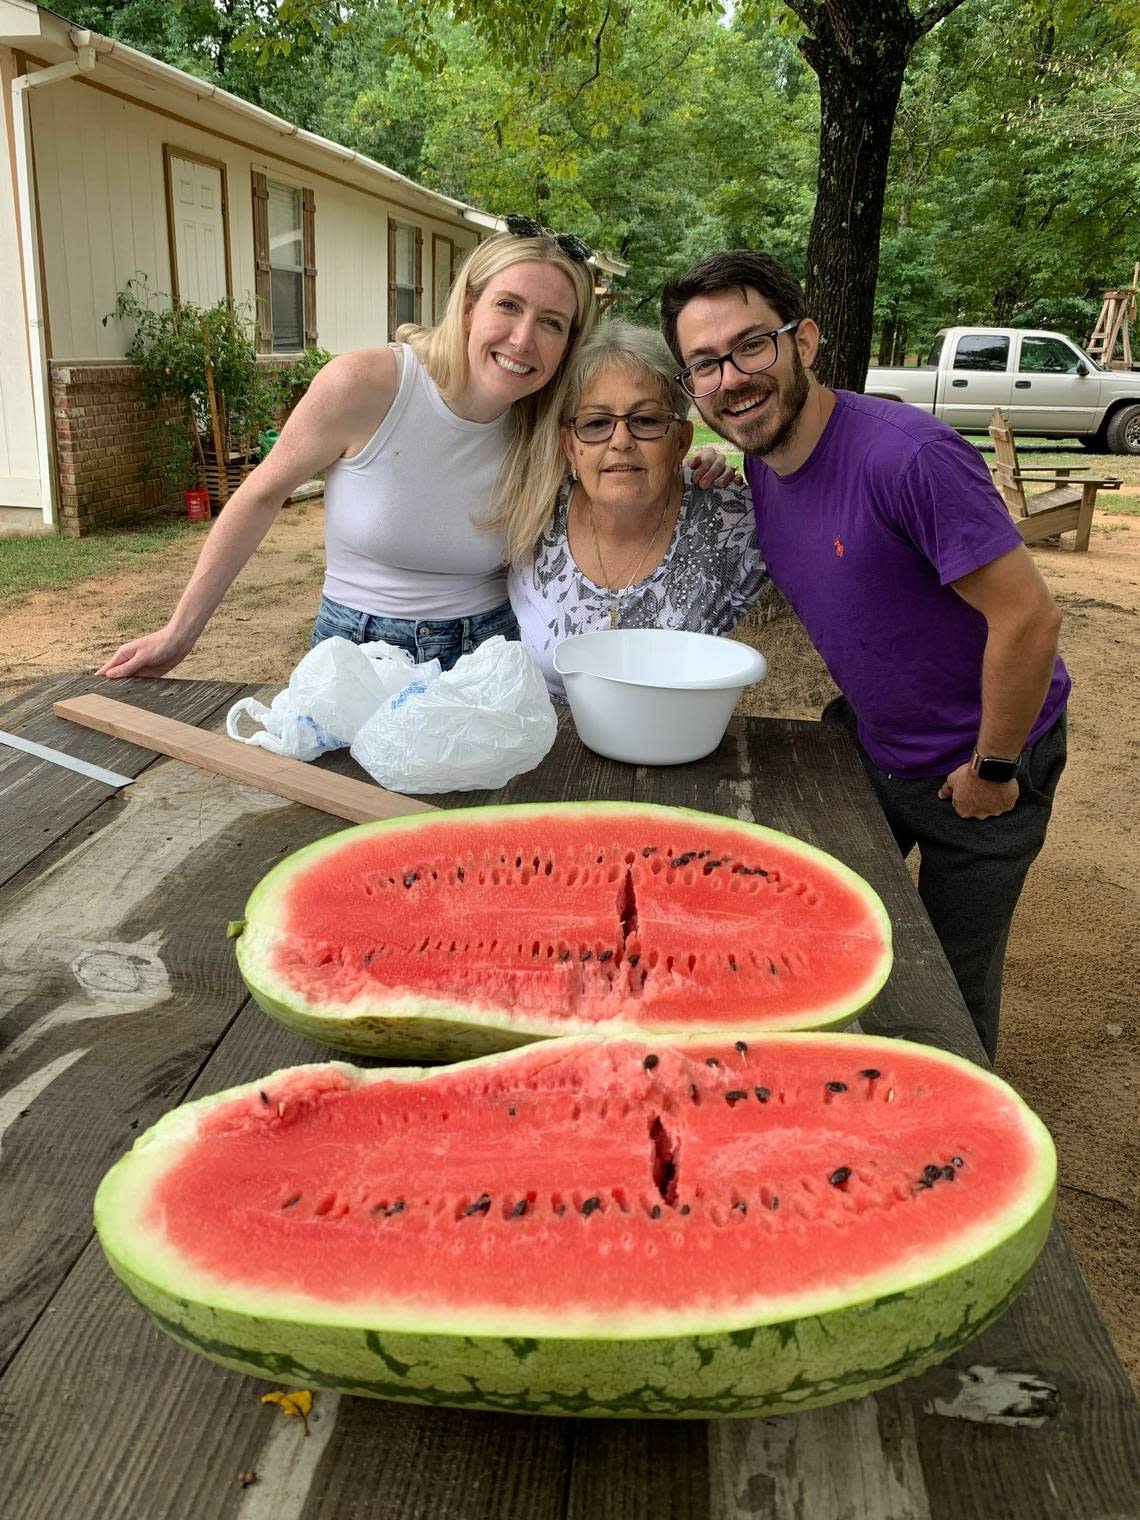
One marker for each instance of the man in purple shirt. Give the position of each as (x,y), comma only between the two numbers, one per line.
(883,529)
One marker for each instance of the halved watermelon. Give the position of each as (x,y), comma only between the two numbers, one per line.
(459,933)
(591,1226)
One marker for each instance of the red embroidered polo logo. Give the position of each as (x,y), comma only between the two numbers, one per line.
(838,547)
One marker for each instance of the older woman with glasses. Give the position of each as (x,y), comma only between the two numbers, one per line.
(633,541)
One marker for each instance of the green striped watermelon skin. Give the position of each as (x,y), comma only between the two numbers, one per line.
(720,1364)
(756,1370)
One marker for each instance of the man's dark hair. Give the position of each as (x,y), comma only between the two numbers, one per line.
(740,268)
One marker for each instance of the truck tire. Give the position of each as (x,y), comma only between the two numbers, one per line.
(1123,431)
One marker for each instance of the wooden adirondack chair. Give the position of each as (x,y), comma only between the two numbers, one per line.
(1045,514)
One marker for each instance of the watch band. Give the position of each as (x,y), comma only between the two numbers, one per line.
(994,767)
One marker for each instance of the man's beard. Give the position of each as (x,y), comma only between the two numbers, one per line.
(770,431)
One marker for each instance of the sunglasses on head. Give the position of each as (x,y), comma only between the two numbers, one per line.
(575,248)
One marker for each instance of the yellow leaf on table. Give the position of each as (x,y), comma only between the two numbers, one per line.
(297,1405)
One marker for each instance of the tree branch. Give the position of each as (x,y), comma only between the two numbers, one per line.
(937,11)
(597,74)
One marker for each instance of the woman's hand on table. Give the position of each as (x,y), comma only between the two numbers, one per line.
(152,655)
(710,468)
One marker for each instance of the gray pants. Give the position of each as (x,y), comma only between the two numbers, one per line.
(971,870)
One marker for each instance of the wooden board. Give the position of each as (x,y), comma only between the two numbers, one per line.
(358,801)
(42,801)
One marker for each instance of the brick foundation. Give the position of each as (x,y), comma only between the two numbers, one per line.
(104,445)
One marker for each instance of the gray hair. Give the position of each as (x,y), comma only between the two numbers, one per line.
(625,345)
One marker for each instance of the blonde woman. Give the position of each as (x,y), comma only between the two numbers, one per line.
(420,441)
(636,539)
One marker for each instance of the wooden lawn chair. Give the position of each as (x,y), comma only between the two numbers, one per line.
(1045,514)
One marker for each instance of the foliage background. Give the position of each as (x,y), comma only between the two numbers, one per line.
(675,128)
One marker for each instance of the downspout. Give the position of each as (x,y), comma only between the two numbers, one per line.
(22,87)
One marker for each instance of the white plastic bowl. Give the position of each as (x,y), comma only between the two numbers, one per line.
(654,696)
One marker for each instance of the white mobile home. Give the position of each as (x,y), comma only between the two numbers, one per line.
(118,164)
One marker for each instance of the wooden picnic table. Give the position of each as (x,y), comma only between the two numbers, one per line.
(120,999)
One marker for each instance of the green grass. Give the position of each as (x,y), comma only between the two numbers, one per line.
(35,562)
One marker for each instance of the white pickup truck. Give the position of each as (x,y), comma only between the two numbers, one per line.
(1042,381)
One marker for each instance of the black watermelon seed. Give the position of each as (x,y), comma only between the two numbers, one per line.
(839,1176)
(606,955)
(711,1061)
(775,1204)
(683,860)
(740,1206)
(459,873)
(837,1087)
(264,1096)
(634,958)
(398,1207)
(410,878)
(480,1206)
(519,1209)
(956,1161)
(512,1110)
(772,967)
(684,1208)
(742,1047)
(585,955)
(368,957)
(565,956)
(711,865)
(655,1211)
(590,1205)
(650,1062)
(931,1173)
(648,850)
(289,1202)
(762,1094)
(872,1073)
(693,1091)
(948,1173)
(702,853)
(921,1183)
(734,1097)
(561,1209)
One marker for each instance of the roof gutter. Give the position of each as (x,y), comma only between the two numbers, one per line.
(22,87)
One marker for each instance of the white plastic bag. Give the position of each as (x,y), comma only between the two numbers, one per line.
(479,724)
(333,691)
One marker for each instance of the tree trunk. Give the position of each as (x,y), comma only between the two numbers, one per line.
(887,341)
(859,50)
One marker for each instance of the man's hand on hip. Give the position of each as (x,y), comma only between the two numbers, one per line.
(973,798)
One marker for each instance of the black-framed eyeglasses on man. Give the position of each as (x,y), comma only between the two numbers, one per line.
(575,248)
(752,354)
(598,427)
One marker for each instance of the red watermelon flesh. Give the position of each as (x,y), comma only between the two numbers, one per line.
(526,921)
(608,1182)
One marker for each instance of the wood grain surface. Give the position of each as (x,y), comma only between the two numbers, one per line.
(120,999)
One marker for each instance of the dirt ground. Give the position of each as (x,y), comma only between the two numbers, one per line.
(1070,1027)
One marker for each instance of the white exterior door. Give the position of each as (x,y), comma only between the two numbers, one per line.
(199,220)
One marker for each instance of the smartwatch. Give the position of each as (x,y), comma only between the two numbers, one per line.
(994,767)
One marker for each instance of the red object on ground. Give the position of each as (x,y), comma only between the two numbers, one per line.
(198,506)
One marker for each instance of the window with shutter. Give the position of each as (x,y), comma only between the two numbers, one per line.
(443,263)
(405,276)
(287,268)
(261,269)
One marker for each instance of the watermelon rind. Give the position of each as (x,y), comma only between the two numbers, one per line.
(420,1026)
(763,1357)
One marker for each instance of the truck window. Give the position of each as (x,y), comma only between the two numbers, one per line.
(985,351)
(1047,356)
(935,351)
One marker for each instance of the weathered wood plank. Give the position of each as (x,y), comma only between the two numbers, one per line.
(640,1470)
(116,981)
(40,800)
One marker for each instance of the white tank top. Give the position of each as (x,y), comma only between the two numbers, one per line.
(401,538)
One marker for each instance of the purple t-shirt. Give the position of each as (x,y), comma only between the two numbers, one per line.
(863,540)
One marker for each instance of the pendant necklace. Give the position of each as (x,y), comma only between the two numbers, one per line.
(616,594)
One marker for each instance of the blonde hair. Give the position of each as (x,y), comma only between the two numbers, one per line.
(533,468)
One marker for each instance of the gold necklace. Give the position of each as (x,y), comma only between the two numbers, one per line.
(616,594)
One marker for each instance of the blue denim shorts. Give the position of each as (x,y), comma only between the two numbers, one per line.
(442,639)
